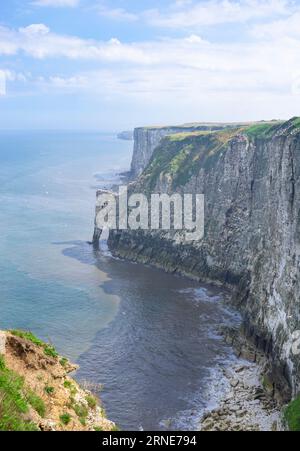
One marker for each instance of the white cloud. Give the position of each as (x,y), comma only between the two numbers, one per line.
(187,14)
(190,68)
(15,76)
(119,14)
(197,14)
(35,29)
(279,29)
(56,3)
(194,39)
(38,41)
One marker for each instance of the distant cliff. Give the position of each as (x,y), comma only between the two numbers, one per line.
(126,135)
(250,176)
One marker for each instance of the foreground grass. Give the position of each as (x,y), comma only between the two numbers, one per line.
(13,402)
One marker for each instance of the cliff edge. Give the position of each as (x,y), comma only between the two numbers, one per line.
(36,393)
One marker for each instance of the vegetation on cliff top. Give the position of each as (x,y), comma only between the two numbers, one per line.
(259,130)
(49,350)
(182,155)
(269,130)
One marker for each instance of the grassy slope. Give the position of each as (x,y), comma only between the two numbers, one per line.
(182,155)
(15,401)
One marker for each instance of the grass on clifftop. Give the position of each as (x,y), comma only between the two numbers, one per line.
(292,415)
(13,402)
(259,130)
(266,130)
(48,349)
(180,156)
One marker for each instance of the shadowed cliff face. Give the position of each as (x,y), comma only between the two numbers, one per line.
(251,181)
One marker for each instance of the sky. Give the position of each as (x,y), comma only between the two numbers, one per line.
(112,65)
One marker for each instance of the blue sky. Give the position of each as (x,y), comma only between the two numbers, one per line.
(110,65)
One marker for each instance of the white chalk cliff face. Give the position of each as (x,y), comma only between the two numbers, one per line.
(250,177)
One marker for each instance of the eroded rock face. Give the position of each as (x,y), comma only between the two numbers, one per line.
(251,183)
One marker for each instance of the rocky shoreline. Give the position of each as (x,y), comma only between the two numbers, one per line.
(246,406)
(250,402)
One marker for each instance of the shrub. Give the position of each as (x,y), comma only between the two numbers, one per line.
(63,361)
(92,402)
(36,402)
(50,351)
(71,387)
(65,418)
(81,411)
(49,390)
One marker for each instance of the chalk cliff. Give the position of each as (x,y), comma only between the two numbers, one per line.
(250,176)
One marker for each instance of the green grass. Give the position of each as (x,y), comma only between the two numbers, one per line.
(50,351)
(292,415)
(296,121)
(63,362)
(92,402)
(183,135)
(71,387)
(65,418)
(49,390)
(27,335)
(13,404)
(267,130)
(82,412)
(36,402)
(258,130)
(182,156)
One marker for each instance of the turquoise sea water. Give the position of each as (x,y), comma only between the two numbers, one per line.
(149,337)
(47,197)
